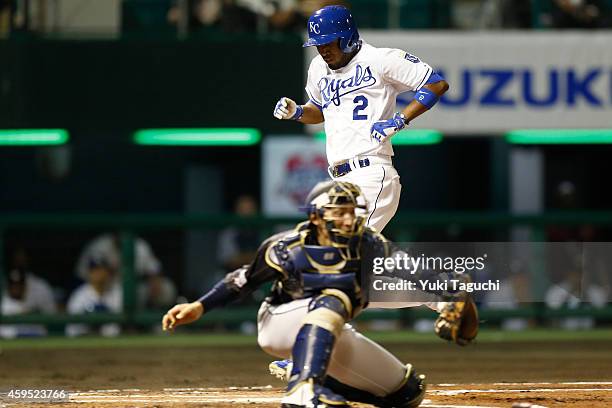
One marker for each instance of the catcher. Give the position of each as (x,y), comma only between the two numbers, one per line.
(316,272)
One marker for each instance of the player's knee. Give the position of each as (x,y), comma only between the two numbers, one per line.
(329,311)
(334,300)
(326,319)
(264,342)
(410,394)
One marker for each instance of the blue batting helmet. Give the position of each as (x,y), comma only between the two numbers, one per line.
(330,23)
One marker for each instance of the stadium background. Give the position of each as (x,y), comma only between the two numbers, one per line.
(102,72)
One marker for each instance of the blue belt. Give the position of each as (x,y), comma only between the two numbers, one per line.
(345,168)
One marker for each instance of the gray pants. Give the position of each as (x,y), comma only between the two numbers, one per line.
(356,360)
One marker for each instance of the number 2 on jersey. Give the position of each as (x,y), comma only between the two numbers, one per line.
(362,103)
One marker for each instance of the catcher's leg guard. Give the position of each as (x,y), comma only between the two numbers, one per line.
(410,394)
(311,354)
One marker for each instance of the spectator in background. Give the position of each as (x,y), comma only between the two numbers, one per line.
(25,293)
(102,293)
(571,293)
(156,293)
(516,14)
(287,15)
(283,15)
(237,245)
(578,14)
(154,289)
(567,197)
(108,247)
(222,15)
(566,262)
(513,290)
(248,15)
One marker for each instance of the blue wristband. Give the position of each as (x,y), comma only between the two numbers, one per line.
(426,97)
(299,111)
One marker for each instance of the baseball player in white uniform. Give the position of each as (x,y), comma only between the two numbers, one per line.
(352,87)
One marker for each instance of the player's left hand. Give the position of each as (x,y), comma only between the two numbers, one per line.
(383,129)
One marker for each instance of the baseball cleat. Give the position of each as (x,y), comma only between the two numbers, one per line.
(307,394)
(281,369)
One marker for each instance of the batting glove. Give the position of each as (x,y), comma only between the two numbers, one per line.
(286,108)
(387,128)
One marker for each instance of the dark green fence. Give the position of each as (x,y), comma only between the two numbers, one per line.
(128,224)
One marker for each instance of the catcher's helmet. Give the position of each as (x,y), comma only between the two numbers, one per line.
(330,193)
(330,23)
(337,194)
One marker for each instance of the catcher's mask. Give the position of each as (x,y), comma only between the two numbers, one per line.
(330,201)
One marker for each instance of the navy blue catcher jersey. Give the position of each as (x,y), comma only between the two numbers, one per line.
(301,268)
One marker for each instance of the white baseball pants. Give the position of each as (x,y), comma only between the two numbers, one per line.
(380,184)
(381,187)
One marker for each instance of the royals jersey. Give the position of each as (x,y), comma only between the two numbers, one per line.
(364,91)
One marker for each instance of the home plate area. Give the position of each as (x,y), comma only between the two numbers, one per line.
(511,395)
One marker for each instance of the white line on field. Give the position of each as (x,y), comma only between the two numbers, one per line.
(207,389)
(457,392)
(454,406)
(557,383)
(218,394)
(210,398)
(530,383)
(233,400)
(173,399)
(269,387)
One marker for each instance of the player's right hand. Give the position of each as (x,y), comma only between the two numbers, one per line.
(285,108)
(183,313)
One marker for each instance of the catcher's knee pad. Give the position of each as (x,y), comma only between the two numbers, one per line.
(410,394)
(333,299)
(328,311)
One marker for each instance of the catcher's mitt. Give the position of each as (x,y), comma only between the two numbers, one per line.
(458,322)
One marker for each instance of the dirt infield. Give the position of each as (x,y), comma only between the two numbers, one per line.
(488,374)
(576,394)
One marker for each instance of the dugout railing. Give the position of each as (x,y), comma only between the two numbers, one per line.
(404,226)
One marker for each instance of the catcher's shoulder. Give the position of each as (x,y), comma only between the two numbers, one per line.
(276,248)
(285,237)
